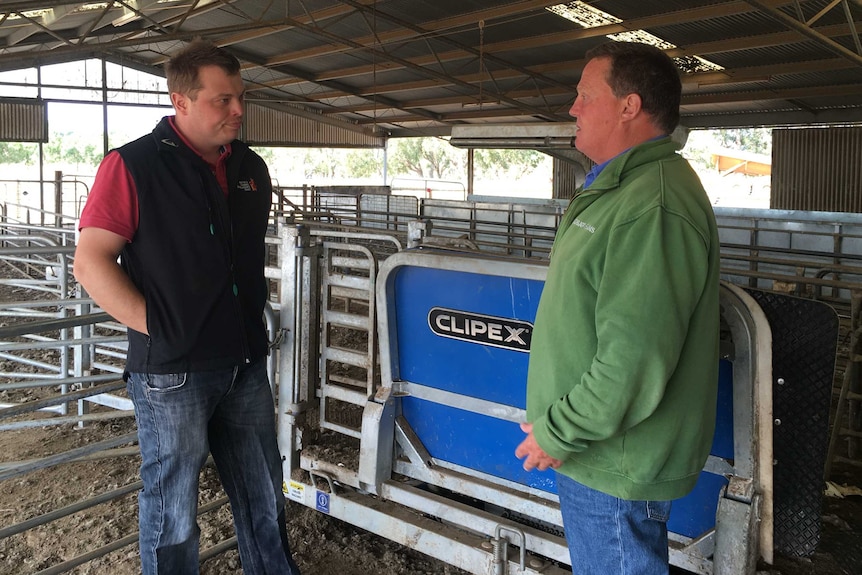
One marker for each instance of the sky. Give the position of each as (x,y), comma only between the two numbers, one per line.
(86,119)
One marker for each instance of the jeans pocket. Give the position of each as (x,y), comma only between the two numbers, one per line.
(163,382)
(658,510)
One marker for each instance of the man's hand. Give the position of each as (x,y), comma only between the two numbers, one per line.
(536,458)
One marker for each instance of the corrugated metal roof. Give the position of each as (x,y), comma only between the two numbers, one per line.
(405,67)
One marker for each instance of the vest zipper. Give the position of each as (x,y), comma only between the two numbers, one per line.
(228,244)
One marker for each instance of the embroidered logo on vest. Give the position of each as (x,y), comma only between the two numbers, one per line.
(247,186)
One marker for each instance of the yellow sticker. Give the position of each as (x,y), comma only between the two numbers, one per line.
(295,491)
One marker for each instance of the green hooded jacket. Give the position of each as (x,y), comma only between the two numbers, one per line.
(623,369)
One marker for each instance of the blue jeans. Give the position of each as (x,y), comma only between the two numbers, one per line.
(611,536)
(182,417)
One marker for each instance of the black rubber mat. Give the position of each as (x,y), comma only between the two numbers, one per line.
(804,341)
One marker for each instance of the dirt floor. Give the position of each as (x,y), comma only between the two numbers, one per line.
(322,545)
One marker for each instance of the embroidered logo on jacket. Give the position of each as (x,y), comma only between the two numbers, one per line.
(482,329)
(584,225)
(247,186)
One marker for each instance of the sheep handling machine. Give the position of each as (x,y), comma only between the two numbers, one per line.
(401,384)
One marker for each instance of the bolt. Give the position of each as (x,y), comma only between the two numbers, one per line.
(777,421)
(780,381)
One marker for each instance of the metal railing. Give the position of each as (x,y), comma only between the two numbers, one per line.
(61,364)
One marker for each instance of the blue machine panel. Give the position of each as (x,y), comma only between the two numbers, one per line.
(451,328)
(474,441)
(722,441)
(466,367)
(694,514)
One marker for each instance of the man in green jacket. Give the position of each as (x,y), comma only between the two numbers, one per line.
(623,374)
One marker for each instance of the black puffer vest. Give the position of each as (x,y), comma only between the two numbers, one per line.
(197,256)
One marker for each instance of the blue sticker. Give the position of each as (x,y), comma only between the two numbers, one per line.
(322,502)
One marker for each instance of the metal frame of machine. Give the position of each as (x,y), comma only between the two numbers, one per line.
(477,521)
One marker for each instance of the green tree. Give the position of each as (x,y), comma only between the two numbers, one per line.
(65,148)
(17,153)
(267,154)
(364,163)
(321,163)
(427,158)
(495,162)
(756,140)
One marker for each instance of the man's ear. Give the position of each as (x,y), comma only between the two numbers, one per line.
(180,102)
(631,106)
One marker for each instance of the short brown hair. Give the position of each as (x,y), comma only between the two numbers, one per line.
(644,70)
(182,69)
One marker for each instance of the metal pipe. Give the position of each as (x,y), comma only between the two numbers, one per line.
(109,454)
(69,509)
(66,456)
(86,417)
(50,381)
(67,566)
(31,327)
(58,399)
(217,549)
(53,343)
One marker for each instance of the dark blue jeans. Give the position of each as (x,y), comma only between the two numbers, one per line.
(611,536)
(182,417)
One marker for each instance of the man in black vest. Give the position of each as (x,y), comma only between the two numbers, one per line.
(186,209)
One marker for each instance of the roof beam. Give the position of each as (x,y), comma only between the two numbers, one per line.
(132,10)
(434,74)
(696,79)
(36,26)
(53,15)
(667,18)
(28,5)
(783,94)
(476,53)
(445,24)
(777,118)
(318,16)
(575,65)
(452,117)
(807,31)
(69,50)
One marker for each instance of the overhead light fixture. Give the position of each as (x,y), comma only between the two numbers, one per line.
(534,136)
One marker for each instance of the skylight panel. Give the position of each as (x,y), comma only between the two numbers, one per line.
(591,17)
